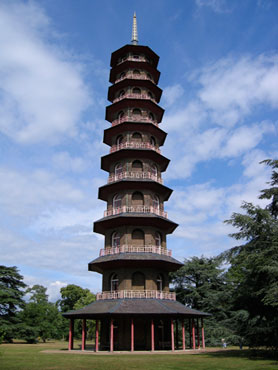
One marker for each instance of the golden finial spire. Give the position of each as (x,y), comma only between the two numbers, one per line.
(134,39)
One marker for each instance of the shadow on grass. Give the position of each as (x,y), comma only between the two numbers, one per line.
(250,354)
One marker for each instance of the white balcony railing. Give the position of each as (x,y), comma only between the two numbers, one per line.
(134,76)
(133,119)
(135,249)
(143,294)
(134,96)
(135,209)
(134,175)
(134,145)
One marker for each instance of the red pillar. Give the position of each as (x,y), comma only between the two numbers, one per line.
(132,336)
(152,334)
(183,336)
(71,329)
(193,334)
(172,335)
(198,334)
(83,335)
(203,334)
(111,336)
(189,330)
(96,347)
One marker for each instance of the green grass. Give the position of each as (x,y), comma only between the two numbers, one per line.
(30,356)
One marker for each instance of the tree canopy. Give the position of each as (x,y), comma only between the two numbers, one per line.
(11,299)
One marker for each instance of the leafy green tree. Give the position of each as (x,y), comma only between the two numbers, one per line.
(254,269)
(41,318)
(201,284)
(272,192)
(70,295)
(82,302)
(73,297)
(37,294)
(11,299)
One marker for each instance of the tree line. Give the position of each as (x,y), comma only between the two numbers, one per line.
(26,313)
(239,287)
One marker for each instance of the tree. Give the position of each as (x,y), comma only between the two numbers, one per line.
(82,302)
(254,268)
(201,284)
(272,193)
(73,297)
(11,299)
(70,295)
(37,294)
(41,318)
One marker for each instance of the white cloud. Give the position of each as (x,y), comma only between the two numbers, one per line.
(213,143)
(53,290)
(42,93)
(245,138)
(65,162)
(185,120)
(28,194)
(231,88)
(171,94)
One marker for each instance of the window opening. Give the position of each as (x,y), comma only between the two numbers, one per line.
(154,170)
(159,282)
(119,140)
(137,137)
(116,238)
(138,281)
(137,165)
(156,202)
(137,112)
(118,169)
(114,283)
(137,199)
(157,239)
(138,237)
(120,114)
(117,201)
(136,90)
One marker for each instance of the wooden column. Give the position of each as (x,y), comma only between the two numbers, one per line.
(111,336)
(97,334)
(172,335)
(132,336)
(203,334)
(198,334)
(183,336)
(152,335)
(177,334)
(193,334)
(71,330)
(83,345)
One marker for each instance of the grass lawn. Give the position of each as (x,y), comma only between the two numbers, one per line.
(30,356)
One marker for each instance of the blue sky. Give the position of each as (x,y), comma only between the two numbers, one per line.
(219,74)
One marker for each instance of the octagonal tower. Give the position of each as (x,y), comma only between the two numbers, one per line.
(135,308)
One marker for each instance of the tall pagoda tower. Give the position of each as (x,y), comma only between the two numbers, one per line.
(135,310)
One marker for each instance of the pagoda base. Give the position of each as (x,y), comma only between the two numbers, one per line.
(140,324)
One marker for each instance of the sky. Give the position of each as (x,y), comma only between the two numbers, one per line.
(219,75)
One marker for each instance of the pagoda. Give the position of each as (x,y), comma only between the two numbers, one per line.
(136,310)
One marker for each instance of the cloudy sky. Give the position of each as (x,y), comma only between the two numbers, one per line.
(219,74)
